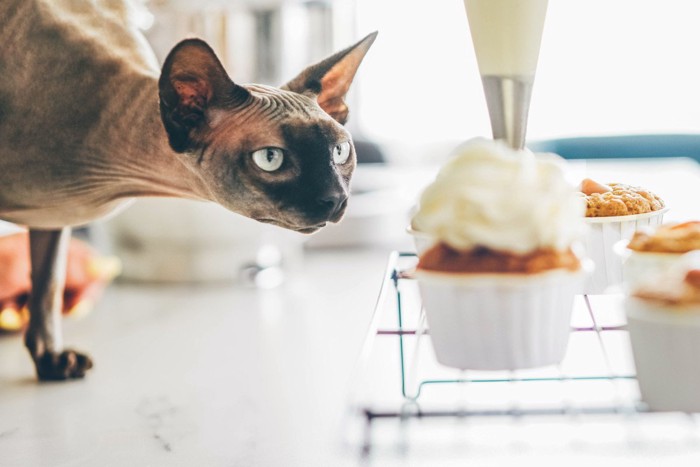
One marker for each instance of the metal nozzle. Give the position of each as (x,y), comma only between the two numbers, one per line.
(508,101)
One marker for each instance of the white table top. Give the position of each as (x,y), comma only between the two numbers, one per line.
(226,375)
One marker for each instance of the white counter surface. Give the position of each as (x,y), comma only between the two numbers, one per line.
(223,375)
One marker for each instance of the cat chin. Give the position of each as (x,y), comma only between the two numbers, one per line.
(301,229)
(310,230)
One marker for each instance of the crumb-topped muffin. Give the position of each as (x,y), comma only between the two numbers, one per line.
(668,238)
(613,213)
(618,199)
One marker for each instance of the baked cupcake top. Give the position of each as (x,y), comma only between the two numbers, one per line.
(483,260)
(673,291)
(668,238)
(493,197)
(618,199)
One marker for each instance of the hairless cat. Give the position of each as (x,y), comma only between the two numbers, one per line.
(87,123)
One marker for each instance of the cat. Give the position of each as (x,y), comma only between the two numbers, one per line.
(87,123)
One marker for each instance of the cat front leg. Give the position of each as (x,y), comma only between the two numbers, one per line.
(44,339)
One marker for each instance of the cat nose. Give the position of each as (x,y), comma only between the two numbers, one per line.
(332,203)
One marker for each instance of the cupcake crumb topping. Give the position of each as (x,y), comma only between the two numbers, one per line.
(667,238)
(617,199)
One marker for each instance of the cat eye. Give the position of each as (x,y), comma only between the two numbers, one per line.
(268,159)
(341,152)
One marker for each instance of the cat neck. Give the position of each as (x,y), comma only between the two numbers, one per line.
(134,151)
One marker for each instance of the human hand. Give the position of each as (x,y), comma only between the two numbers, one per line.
(87,275)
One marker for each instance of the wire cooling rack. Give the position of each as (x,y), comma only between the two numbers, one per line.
(398,377)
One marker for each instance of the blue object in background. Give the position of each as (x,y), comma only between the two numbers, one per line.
(627,146)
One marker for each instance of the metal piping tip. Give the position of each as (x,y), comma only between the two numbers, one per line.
(508,101)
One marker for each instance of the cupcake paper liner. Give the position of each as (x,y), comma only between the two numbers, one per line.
(603,234)
(499,321)
(666,344)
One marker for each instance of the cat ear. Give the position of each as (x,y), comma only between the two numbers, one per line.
(330,79)
(192,81)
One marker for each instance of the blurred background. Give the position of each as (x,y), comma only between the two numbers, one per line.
(605,68)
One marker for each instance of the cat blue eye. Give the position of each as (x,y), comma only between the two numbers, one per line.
(268,159)
(341,152)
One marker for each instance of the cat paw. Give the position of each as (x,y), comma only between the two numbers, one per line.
(57,366)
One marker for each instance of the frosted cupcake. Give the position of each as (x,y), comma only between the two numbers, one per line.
(653,250)
(663,319)
(499,280)
(614,212)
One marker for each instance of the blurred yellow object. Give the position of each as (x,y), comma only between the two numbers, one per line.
(101,269)
(104,268)
(80,309)
(13,320)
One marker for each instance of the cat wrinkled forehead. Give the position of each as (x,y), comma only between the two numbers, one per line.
(270,109)
(279,102)
(275,106)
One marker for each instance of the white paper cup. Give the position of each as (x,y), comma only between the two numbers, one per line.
(422,241)
(499,321)
(603,234)
(640,267)
(666,345)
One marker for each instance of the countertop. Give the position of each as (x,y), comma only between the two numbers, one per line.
(227,375)
(200,375)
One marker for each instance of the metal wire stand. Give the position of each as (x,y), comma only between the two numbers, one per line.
(418,374)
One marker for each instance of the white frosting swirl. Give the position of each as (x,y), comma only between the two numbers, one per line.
(492,196)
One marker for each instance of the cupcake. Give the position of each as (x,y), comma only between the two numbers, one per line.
(663,319)
(653,250)
(499,279)
(614,212)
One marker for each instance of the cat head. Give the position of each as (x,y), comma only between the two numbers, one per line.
(277,155)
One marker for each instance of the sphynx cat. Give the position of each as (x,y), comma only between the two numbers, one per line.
(88,123)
